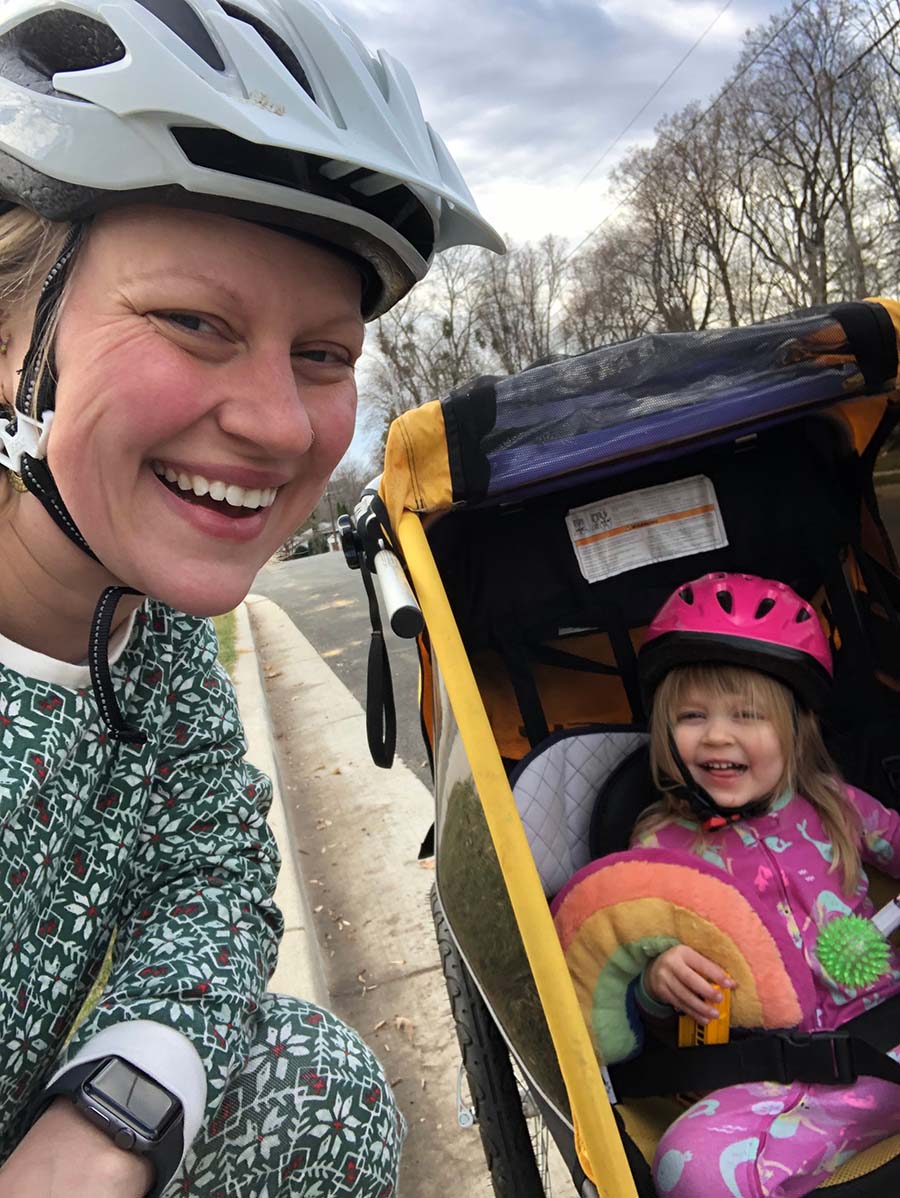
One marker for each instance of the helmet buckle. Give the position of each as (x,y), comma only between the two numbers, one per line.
(23,435)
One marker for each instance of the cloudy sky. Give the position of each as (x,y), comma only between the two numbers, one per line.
(528,94)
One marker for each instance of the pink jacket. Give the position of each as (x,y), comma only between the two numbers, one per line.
(784,856)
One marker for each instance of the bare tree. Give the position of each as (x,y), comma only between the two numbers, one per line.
(671,265)
(348,481)
(518,303)
(431,342)
(800,119)
(883,159)
(607,298)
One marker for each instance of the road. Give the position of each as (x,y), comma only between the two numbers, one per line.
(327,602)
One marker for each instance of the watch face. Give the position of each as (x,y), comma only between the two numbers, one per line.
(130,1093)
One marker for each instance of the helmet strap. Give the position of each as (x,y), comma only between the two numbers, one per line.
(25,440)
(703,805)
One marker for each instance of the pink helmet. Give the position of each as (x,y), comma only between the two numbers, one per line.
(741,620)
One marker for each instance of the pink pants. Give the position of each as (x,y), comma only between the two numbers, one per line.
(767,1140)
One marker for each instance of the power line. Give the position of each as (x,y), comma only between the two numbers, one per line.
(694,124)
(869,49)
(640,112)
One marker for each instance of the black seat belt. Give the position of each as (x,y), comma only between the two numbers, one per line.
(837,1057)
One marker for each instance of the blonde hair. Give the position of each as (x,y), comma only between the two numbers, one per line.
(29,245)
(808,768)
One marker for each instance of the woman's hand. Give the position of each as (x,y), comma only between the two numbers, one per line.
(686,980)
(65,1156)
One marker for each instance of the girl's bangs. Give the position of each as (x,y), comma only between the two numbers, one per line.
(761,693)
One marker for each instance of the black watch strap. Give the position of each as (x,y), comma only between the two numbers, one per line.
(83,1084)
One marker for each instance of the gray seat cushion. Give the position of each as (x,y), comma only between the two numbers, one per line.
(555,788)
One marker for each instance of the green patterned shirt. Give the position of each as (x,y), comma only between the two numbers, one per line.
(167,842)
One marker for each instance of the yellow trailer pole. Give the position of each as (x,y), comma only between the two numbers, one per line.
(578,1064)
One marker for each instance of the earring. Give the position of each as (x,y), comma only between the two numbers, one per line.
(4,344)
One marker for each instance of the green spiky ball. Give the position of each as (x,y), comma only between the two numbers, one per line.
(853,951)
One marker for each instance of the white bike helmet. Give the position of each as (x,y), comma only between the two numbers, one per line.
(269,109)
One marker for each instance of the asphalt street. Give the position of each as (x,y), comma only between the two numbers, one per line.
(327,602)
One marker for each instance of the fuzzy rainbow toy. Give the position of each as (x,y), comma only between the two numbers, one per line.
(617,914)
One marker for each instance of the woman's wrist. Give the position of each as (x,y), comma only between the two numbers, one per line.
(64,1156)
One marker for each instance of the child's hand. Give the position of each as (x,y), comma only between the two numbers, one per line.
(687,981)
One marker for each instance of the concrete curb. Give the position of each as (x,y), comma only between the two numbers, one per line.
(300,970)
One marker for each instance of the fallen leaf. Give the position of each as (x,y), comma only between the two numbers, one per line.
(406,1026)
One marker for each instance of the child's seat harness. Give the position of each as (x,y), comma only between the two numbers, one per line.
(857,1049)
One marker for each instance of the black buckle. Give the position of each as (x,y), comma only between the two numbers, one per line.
(822,1057)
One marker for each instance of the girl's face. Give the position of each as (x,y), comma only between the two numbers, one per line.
(206,392)
(730,746)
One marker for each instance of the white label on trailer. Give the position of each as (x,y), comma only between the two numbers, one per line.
(655,524)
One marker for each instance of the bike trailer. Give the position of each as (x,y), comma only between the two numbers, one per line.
(540,520)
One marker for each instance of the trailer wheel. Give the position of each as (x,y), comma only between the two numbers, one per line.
(504,1130)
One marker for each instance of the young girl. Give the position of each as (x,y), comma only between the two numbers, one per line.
(737,667)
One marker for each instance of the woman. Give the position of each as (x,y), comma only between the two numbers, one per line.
(204,202)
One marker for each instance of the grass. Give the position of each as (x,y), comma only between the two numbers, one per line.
(225,631)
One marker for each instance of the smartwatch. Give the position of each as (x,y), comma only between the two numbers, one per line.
(135,1111)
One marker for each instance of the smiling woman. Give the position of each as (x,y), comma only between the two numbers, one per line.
(200,205)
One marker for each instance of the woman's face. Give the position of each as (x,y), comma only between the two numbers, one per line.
(206,392)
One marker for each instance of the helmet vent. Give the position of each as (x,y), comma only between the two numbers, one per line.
(764,608)
(277,45)
(687,595)
(802,616)
(62,40)
(726,601)
(186,25)
(218,150)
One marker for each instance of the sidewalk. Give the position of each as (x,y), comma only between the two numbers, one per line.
(355,897)
(300,968)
